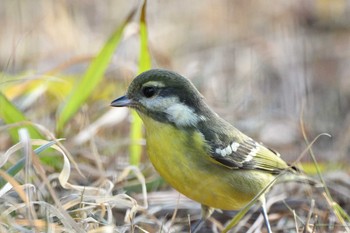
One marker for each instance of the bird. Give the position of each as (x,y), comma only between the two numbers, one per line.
(197,152)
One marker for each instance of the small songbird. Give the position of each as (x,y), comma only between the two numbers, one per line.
(194,150)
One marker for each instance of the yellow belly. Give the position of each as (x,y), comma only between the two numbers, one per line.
(181,159)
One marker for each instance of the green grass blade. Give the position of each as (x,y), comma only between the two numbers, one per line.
(11,114)
(92,76)
(341,214)
(13,170)
(145,63)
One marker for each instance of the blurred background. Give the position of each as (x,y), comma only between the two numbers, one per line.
(263,66)
(258,64)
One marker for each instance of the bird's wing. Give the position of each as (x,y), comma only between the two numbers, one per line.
(245,153)
(229,147)
(248,154)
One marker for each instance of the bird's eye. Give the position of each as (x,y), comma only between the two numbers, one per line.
(149,92)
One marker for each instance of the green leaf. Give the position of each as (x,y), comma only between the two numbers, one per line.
(145,63)
(11,114)
(92,76)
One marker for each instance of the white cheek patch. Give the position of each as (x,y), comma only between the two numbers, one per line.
(158,103)
(178,113)
(182,115)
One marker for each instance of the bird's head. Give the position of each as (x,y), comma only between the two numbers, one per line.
(165,96)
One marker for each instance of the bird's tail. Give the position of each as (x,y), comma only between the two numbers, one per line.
(295,174)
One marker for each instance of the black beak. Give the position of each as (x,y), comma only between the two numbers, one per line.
(122,101)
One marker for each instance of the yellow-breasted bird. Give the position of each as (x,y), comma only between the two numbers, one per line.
(194,150)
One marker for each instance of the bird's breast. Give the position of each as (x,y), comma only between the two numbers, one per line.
(181,158)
